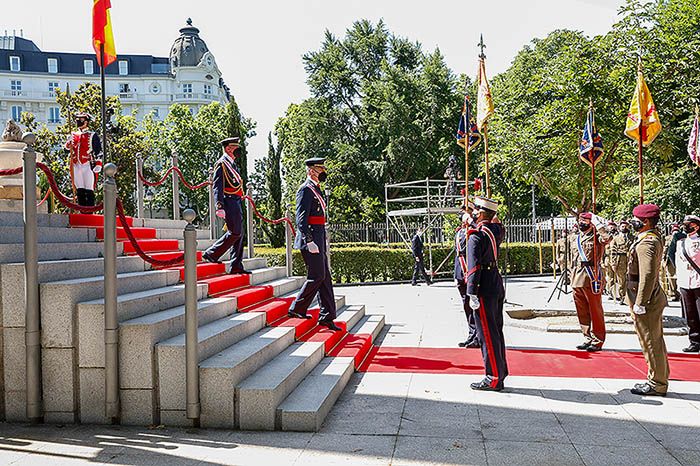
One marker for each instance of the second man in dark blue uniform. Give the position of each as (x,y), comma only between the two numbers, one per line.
(311,241)
(228,191)
(486,292)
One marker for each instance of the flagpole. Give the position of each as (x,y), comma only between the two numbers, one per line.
(466,155)
(592,158)
(485,132)
(103,104)
(641,165)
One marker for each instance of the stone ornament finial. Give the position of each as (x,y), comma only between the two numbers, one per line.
(12,133)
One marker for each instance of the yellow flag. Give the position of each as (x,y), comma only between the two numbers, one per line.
(642,114)
(484,104)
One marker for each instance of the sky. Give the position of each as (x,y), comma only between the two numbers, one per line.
(259,45)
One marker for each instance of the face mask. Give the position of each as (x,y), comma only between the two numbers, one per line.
(80,122)
(584,226)
(624,230)
(636,224)
(322,177)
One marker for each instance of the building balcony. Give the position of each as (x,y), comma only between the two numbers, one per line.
(193,96)
(12,94)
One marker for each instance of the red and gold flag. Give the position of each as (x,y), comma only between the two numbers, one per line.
(102,31)
(642,119)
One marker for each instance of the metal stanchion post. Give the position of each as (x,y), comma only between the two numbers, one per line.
(249,221)
(139,187)
(32,332)
(288,242)
(109,191)
(191,322)
(176,190)
(212,206)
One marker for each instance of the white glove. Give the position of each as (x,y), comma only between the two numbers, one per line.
(221,213)
(639,310)
(474,302)
(312,247)
(97,169)
(598,222)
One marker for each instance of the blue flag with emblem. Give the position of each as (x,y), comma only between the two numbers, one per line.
(467,127)
(591,145)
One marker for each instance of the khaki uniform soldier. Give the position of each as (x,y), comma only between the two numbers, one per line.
(619,251)
(668,264)
(588,281)
(647,300)
(572,250)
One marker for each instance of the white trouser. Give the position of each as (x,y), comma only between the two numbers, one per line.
(83,176)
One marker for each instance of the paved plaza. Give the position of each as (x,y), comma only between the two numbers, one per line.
(420,419)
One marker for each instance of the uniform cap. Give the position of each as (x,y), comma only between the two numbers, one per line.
(227,141)
(82,115)
(691,219)
(624,222)
(315,161)
(486,203)
(646,211)
(612,224)
(586,215)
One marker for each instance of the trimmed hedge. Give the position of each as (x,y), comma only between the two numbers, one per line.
(373,263)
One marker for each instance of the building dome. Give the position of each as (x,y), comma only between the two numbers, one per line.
(189,48)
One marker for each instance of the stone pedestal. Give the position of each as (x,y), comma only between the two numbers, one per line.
(11,186)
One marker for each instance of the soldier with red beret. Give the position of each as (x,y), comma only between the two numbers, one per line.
(646,299)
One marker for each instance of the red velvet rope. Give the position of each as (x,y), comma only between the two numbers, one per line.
(267,220)
(61,197)
(158,263)
(11,171)
(167,173)
(46,196)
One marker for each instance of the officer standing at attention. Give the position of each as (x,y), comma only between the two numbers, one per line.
(85,148)
(619,249)
(647,300)
(460,276)
(608,263)
(486,292)
(688,274)
(228,190)
(419,263)
(668,265)
(588,280)
(311,240)
(562,251)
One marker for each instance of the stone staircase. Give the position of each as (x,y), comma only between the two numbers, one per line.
(259,369)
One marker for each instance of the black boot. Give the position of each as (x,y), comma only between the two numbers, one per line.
(89,198)
(80,194)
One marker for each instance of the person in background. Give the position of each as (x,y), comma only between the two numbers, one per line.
(687,263)
(418,264)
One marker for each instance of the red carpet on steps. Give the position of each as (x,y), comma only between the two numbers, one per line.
(93,220)
(527,362)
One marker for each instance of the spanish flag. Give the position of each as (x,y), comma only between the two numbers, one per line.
(642,114)
(102,31)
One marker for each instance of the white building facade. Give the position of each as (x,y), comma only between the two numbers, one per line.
(145,84)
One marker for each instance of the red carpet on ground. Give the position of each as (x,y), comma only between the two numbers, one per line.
(527,362)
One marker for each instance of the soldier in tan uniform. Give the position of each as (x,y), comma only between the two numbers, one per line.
(588,280)
(647,300)
(619,251)
(608,263)
(573,234)
(563,255)
(669,281)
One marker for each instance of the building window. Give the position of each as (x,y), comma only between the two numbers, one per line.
(16,87)
(14,63)
(124,90)
(207,89)
(16,112)
(54,114)
(187,89)
(53,85)
(52,65)
(88,67)
(123,67)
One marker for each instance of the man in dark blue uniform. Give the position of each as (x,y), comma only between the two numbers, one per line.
(228,190)
(311,241)
(486,292)
(460,275)
(419,264)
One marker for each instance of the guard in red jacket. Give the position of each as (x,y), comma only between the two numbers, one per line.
(85,148)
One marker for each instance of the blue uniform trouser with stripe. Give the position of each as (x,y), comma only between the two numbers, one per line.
(489,326)
(233,238)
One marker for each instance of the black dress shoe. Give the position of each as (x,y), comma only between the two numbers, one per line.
(485,386)
(645,390)
(295,315)
(692,348)
(594,348)
(329,324)
(462,344)
(584,345)
(209,258)
(240,272)
(474,344)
